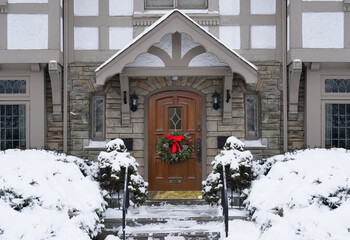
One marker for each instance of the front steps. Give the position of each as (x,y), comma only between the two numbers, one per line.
(169,219)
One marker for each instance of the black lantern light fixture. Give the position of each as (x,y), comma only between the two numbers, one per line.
(133,99)
(216,97)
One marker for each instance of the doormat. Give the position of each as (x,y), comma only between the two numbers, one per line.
(175,195)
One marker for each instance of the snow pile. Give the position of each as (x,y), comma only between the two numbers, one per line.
(113,164)
(237,164)
(44,195)
(301,195)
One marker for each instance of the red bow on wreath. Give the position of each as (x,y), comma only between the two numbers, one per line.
(176,140)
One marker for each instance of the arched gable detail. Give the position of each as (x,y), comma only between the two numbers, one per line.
(176,23)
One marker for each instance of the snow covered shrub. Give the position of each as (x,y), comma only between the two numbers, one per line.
(40,191)
(237,164)
(304,195)
(113,164)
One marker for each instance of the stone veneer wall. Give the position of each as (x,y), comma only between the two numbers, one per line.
(270,95)
(82,75)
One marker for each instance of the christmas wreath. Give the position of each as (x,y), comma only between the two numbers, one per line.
(175,147)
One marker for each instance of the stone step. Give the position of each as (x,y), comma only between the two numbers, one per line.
(113,202)
(184,235)
(187,202)
(116,222)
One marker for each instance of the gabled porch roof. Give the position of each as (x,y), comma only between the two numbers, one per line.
(176,21)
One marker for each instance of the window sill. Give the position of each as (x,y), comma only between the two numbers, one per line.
(255,144)
(94,145)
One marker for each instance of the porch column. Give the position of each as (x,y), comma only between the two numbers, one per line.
(227,100)
(124,93)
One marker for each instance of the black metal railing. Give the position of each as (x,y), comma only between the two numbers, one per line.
(224,199)
(125,200)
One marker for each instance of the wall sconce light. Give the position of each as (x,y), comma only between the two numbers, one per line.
(124,98)
(133,102)
(228,95)
(215,97)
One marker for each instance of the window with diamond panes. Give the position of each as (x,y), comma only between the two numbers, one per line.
(337,85)
(337,125)
(13,86)
(98,103)
(175,121)
(12,126)
(251,104)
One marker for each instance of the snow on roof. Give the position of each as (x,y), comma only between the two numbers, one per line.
(159,21)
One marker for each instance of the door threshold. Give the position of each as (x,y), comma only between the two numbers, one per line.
(175,195)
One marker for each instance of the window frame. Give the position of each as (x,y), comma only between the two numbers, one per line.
(27,123)
(6,96)
(93,114)
(323,115)
(333,94)
(257,120)
(175,6)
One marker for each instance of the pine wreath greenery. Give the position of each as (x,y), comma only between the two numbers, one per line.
(175,147)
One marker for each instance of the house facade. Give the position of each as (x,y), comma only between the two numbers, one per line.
(76,74)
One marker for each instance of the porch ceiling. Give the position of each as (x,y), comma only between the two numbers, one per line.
(176,22)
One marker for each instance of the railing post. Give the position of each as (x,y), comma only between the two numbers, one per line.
(224,200)
(125,199)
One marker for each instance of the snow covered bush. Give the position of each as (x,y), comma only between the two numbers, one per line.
(113,164)
(302,195)
(237,164)
(46,195)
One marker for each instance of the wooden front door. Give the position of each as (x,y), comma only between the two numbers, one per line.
(170,111)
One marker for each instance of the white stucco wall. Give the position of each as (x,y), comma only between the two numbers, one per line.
(86,38)
(263,37)
(262,6)
(86,7)
(323,30)
(229,7)
(121,7)
(27,31)
(119,37)
(230,36)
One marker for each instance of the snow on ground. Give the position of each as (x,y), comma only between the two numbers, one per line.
(45,195)
(304,195)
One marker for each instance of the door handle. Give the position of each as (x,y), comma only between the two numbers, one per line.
(198,127)
(199,150)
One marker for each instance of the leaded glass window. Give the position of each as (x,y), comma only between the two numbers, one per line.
(188,4)
(251,104)
(98,103)
(337,125)
(337,85)
(12,86)
(13,126)
(175,121)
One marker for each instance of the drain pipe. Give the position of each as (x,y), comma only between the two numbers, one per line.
(284,76)
(65,75)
